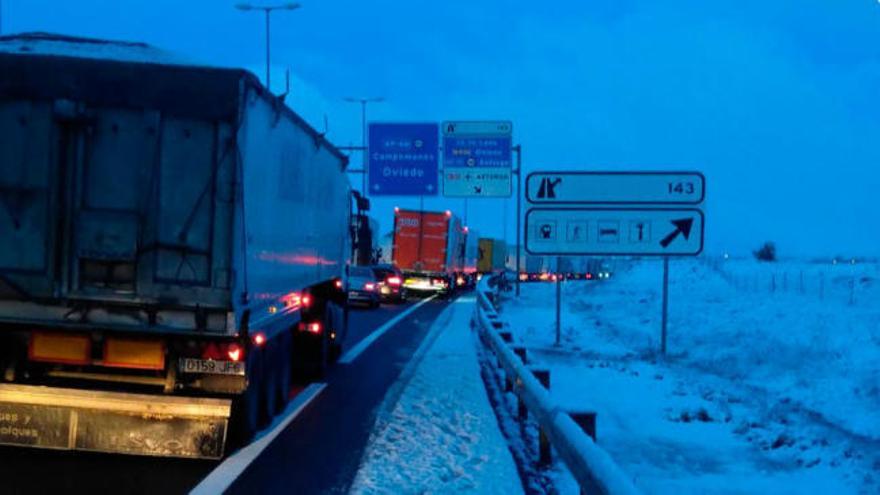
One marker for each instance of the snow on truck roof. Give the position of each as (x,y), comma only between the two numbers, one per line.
(153,78)
(74,46)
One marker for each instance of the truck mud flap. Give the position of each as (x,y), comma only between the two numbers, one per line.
(140,424)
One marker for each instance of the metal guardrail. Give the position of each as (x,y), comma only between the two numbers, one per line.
(591,466)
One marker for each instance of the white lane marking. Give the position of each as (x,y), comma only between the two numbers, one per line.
(356,351)
(221,478)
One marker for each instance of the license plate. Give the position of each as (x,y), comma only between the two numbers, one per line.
(210,366)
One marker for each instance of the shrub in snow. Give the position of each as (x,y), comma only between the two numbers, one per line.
(767,252)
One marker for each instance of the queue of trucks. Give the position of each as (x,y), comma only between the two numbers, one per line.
(552,268)
(176,246)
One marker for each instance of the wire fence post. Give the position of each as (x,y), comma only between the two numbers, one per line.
(852,291)
(665,316)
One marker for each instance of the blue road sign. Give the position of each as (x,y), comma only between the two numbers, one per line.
(403,159)
(477,158)
(479,152)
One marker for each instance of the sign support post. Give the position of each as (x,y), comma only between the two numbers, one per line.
(558,300)
(518,150)
(665,316)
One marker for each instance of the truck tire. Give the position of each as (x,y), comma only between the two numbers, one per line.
(335,320)
(284,367)
(269,390)
(310,356)
(247,416)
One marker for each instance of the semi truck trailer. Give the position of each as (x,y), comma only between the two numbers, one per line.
(172,243)
(492,255)
(429,248)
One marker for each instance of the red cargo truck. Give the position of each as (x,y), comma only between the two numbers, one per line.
(429,248)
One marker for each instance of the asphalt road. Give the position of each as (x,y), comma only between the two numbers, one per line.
(318,452)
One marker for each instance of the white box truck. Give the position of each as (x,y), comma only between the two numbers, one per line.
(172,242)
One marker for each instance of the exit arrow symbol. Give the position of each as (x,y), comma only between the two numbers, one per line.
(682,226)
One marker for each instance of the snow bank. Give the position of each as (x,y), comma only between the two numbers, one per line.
(763,390)
(441,436)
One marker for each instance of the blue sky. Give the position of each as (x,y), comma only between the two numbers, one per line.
(776,102)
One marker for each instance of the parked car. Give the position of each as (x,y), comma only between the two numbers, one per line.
(389,280)
(363,286)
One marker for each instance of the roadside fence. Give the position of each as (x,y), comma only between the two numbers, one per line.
(570,433)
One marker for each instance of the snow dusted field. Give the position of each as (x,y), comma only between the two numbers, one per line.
(771,384)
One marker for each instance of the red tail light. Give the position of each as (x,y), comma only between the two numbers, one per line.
(589,276)
(259,338)
(306,300)
(314,327)
(231,351)
(394,281)
(234,352)
(369,286)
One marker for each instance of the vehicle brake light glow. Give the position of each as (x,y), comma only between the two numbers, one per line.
(369,286)
(448,213)
(314,327)
(234,352)
(306,300)
(459,281)
(259,338)
(291,300)
(338,283)
(589,276)
(394,281)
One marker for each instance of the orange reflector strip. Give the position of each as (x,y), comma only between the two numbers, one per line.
(134,353)
(60,348)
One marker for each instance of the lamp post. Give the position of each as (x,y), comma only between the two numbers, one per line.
(267,9)
(363,102)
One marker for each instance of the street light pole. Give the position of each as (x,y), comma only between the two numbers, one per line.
(268,58)
(363,102)
(268,10)
(364,146)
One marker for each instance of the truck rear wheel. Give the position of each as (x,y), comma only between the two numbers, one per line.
(269,390)
(248,413)
(336,318)
(284,371)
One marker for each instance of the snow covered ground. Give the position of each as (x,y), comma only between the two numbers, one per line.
(764,389)
(436,432)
